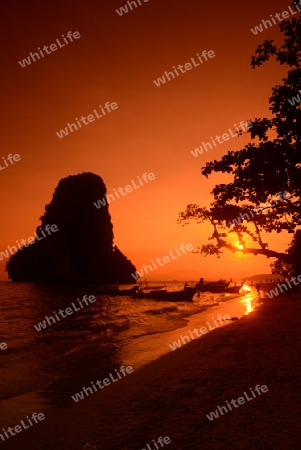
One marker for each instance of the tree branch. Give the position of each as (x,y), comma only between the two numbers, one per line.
(255,251)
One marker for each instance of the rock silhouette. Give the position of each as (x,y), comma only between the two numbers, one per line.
(82,249)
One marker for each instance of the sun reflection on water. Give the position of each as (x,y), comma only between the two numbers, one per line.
(249,297)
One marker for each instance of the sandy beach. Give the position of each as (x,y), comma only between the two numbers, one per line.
(172,395)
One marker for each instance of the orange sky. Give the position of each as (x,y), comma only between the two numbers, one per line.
(154,129)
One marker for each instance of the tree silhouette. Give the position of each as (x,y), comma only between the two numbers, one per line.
(291,266)
(267,171)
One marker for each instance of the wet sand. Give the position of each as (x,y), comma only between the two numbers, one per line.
(172,395)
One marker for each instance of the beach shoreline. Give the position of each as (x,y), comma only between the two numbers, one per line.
(172,395)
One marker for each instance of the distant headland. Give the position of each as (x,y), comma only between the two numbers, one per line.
(82,249)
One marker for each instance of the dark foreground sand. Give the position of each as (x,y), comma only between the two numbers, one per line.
(171,396)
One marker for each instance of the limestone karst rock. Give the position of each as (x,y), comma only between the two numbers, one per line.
(82,249)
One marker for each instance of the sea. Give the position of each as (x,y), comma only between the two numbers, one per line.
(41,369)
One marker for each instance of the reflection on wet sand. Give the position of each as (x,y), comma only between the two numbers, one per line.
(248,297)
(145,349)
